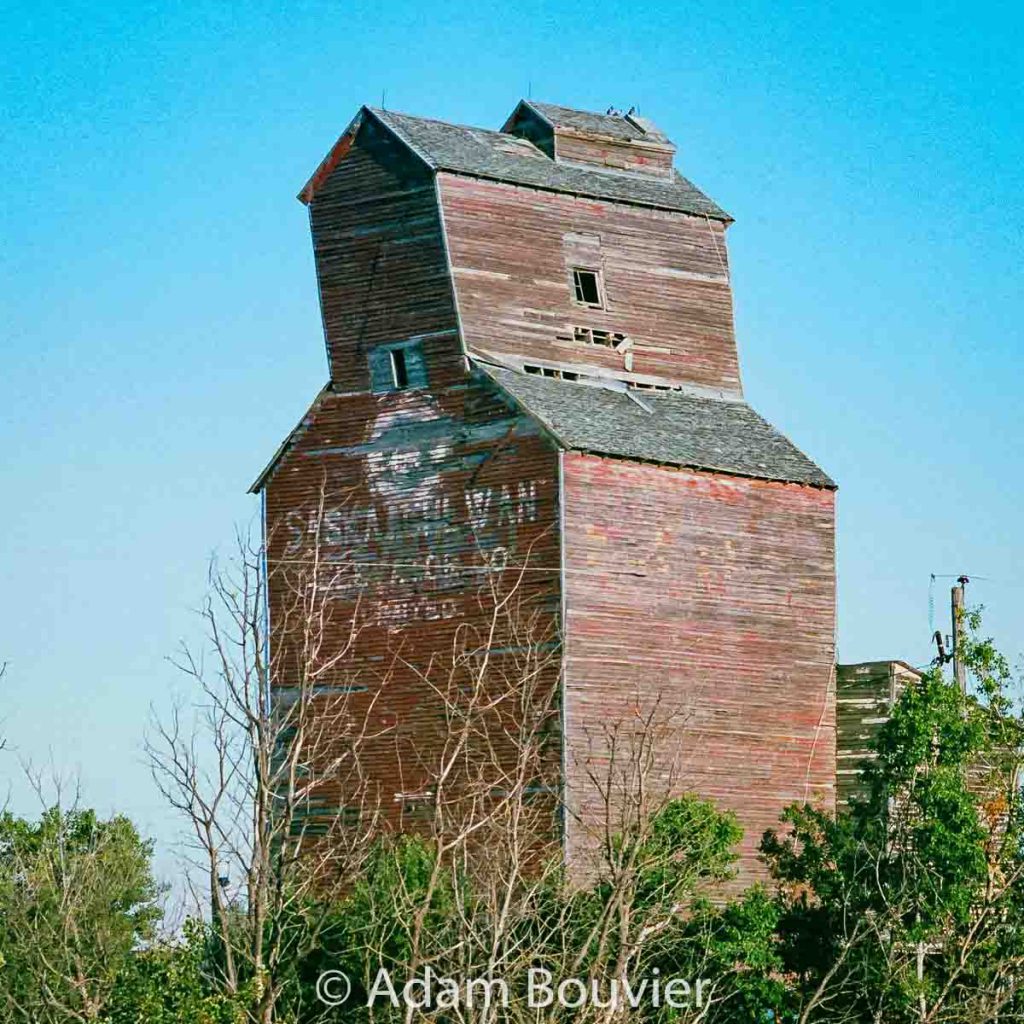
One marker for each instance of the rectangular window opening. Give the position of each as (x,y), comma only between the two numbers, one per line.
(604,339)
(587,286)
(399,371)
(550,371)
(397,367)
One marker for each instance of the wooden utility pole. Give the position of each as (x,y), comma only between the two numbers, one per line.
(957,609)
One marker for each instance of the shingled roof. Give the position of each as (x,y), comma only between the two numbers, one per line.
(502,157)
(615,126)
(680,429)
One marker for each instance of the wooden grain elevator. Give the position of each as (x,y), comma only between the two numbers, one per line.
(532,362)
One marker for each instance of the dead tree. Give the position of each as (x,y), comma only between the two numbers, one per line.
(258,761)
(491,851)
(273,766)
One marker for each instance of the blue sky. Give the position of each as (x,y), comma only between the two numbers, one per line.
(160,331)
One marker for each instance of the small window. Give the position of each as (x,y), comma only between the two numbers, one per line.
(399,371)
(587,286)
(398,367)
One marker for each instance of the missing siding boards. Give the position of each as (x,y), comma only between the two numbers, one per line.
(550,371)
(603,339)
(628,384)
(586,285)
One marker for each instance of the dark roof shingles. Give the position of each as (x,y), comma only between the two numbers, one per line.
(488,154)
(682,430)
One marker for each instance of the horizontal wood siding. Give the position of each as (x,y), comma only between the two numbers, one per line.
(613,154)
(865,695)
(380,259)
(421,493)
(716,595)
(665,280)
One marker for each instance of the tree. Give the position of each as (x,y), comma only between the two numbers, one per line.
(76,898)
(479,886)
(255,763)
(438,903)
(909,907)
(169,982)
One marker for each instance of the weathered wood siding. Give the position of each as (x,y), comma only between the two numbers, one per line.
(714,593)
(380,259)
(865,695)
(665,280)
(613,154)
(717,595)
(422,494)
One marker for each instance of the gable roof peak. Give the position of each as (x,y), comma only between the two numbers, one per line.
(524,156)
(612,140)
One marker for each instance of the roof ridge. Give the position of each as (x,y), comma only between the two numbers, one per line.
(580,110)
(378,111)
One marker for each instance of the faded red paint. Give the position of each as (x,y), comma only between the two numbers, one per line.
(417,498)
(665,277)
(718,596)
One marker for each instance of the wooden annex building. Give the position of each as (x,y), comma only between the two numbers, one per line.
(533,363)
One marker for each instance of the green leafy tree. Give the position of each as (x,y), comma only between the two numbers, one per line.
(909,906)
(77,897)
(644,914)
(171,983)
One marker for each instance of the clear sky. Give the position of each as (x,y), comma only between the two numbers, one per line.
(160,330)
